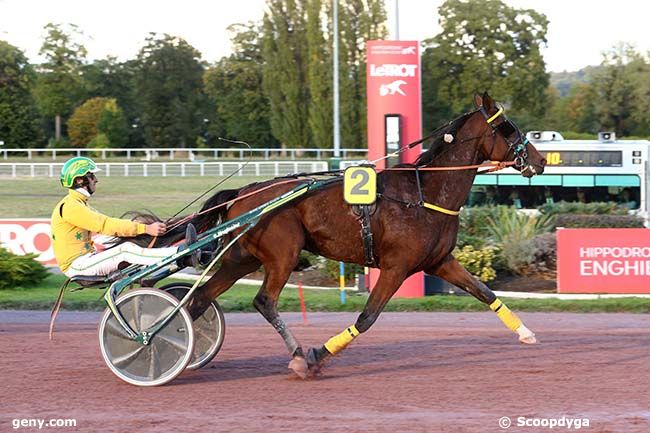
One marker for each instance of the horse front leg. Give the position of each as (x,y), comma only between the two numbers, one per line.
(452,272)
(266,302)
(388,283)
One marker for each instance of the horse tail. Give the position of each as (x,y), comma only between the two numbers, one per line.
(211,214)
(144,240)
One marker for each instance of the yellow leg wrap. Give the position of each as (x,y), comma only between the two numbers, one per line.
(508,318)
(337,343)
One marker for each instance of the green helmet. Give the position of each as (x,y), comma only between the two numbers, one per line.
(76,167)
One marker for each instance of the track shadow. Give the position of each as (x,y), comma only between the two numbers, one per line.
(469,351)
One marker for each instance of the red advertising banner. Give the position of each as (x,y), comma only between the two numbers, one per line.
(394,116)
(393,88)
(603,260)
(23,236)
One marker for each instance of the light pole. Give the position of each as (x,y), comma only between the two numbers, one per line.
(396,21)
(335,84)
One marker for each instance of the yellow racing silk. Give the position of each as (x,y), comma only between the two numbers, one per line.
(73,221)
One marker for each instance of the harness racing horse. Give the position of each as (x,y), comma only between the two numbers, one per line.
(415,225)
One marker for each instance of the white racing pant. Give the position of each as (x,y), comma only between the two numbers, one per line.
(107,261)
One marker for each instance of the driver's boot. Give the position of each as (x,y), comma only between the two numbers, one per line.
(194,259)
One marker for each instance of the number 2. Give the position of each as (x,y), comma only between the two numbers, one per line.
(358,188)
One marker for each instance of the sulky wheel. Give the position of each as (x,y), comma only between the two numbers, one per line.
(209,328)
(168,352)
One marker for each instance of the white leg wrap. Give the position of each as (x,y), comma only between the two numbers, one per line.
(526,335)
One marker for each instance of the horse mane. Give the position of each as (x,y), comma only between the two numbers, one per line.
(438,144)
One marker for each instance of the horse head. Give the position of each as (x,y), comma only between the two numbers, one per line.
(508,143)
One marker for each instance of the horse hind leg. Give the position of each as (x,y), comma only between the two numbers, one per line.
(388,283)
(454,273)
(236,263)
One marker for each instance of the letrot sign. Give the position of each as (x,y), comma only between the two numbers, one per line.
(24,236)
(394,116)
(603,260)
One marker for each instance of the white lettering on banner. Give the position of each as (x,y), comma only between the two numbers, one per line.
(615,252)
(390,70)
(21,240)
(594,268)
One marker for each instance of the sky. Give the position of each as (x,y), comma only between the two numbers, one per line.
(578,33)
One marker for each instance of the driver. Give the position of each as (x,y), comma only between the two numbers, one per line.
(73,221)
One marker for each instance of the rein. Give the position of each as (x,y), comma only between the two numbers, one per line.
(491,166)
(241,197)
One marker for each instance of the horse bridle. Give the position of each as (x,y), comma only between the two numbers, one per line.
(507,128)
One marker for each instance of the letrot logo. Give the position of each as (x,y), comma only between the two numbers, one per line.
(392,88)
(392,70)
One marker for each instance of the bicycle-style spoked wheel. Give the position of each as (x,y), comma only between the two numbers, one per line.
(169,351)
(209,328)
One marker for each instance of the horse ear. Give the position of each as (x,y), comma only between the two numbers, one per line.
(478,100)
(488,102)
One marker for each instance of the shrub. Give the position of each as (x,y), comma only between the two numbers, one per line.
(598,221)
(61,143)
(473,228)
(512,232)
(596,208)
(19,271)
(331,270)
(544,258)
(477,262)
(100,142)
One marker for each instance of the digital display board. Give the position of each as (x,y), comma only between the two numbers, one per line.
(584,158)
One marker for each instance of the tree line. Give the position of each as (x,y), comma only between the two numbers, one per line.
(275,89)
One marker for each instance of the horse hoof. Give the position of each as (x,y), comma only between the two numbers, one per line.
(299,366)
(526,336)
(528,340)
(313,363)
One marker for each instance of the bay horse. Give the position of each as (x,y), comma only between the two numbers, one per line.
(409,236)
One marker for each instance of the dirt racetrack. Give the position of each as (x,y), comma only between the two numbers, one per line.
(412,372)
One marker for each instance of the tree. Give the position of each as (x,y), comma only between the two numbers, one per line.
(169,85)
(284,52)
(59,85)
(234,87)
(360,21)
(98,116)
(19,116)
(621,91)
(487,46)
(296,64)
(319,78)
(109,78)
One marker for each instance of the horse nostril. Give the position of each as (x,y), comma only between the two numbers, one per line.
(543,163)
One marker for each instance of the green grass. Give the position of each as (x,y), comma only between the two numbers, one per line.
(240,297)
(35,198)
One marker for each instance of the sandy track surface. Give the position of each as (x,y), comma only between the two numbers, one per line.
(415,372)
